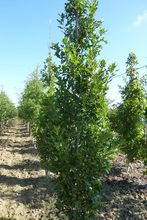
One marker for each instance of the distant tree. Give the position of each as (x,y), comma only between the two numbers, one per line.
(144,84)
(7,108)
(48,74)
(30,101)
(47,115)
(78,142)
(131,113)
(114,118)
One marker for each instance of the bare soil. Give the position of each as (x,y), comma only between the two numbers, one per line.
(24,187)
(26,193)
(124,192)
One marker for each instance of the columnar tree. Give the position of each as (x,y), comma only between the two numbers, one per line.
(144,84)
(47,114)
(31,98)
(131,112)
(48,74)
(7,108)
(80,142)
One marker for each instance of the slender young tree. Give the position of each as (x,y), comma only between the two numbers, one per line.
(144,84)
(7,108)
(48,74)
(131,112)
(79,146)
(47,115)
(30,101)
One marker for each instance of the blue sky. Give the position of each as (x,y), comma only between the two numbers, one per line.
(27,27)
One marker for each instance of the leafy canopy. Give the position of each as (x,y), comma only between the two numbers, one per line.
(131,112)
(7,108)
(75,142)
(31,98)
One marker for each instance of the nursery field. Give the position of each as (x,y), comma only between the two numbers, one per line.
(24,187)
(84,154)
(27,193)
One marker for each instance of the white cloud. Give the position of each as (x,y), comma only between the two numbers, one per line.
(141,19)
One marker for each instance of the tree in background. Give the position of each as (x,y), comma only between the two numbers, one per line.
(31,98)
(77,141)
(144,84)
(114,118)
(47,116)
(131,113)
(48,75)
(7,108)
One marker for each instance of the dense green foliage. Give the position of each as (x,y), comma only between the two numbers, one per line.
(47,116)
(31,98)
(144,85)
(7,108)
(114,118)
(75,131)
(131,113)
(73,138)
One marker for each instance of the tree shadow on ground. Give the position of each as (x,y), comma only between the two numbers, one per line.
(31,188)
(24,149)
(22,132)
(12,181)
(123,197)
(3,218)
(34,190)
(34,196)
(130,209)
(115,171)
(4,142)
(26,165)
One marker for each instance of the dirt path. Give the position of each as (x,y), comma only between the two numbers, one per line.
(23,184)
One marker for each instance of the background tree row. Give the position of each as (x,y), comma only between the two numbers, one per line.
(7,108)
